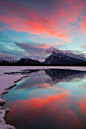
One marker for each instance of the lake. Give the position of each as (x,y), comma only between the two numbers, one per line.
(48,99)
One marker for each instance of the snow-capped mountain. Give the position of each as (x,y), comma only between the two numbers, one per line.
(70,54)
(64,57)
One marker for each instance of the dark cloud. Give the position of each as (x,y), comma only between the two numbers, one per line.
(33,51)
(7,56)
(30,48)
(50,50)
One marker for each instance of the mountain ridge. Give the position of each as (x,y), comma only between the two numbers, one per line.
(63,58)
(58,57)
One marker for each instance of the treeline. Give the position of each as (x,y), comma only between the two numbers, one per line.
(9,63)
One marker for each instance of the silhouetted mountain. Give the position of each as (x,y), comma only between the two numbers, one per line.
(27,61)
(21,62)
(59,75)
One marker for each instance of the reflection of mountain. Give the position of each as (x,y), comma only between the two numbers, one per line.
(60,75)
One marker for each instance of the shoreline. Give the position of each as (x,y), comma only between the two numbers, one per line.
(6,83)
(44,67)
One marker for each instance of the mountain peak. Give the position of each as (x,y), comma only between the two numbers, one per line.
(64,57)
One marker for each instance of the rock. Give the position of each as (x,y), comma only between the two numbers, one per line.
(2,101)
(3,124)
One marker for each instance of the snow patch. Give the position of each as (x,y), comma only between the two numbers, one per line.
(6,82)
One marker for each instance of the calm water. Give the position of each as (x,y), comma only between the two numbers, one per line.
(48,99)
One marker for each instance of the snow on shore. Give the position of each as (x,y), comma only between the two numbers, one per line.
(6,82)
(19,68)
(3,124)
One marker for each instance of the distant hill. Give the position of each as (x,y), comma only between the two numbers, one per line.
(28,61)
(21,62)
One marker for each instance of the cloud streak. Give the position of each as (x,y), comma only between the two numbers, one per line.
(83,25)
(36,51)
(35,21)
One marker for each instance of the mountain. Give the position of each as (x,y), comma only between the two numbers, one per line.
(70,54)
(64,57)
(21,62)
(58,57)
(28,61)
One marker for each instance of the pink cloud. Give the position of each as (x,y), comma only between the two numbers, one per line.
(73,10)
(83,106)
(57,108)
(25,19)
(83,26)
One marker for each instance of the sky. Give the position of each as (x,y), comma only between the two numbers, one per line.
(29,27)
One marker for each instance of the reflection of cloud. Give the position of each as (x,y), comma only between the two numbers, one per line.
(83,106)
(35,80)
(53,111)
(38,79)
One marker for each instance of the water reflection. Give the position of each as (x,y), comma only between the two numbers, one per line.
(48,99)
(62,75)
